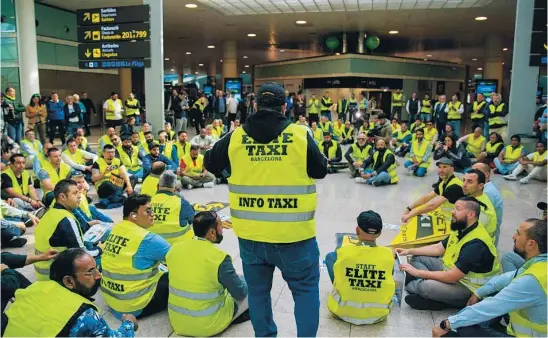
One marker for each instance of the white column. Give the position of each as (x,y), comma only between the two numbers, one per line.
(154,76)
(360,42)
(27,50)
(344,43)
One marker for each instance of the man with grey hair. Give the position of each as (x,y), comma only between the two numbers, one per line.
(173,214)
(440,114)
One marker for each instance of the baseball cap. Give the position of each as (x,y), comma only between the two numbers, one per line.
(445,161)
(370,222)
(542,206)
(271,94)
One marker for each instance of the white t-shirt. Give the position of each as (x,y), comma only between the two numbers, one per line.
(117,109)
(232,104)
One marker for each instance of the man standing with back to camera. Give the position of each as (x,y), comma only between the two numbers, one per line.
(273,164)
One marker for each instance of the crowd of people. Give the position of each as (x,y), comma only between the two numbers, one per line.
(141,265)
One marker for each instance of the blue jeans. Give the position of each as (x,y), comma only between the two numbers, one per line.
(419,172)
(136,173)
(456,127)
(15,131)
(330,260)
(72,127)
(298,263)
(412,118)
(505,168)
(327,114)
(381,178)
(426,117)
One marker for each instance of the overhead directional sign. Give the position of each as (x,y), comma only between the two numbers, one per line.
(112,15)
(113,64)
(121,32)
(114,50)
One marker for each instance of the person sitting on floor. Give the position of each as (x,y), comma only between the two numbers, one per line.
(475,144)
(12,222)
(150,183)
(110,175)
(380,168)
(104,140)
(155,156)
(338,128)
(193,172)
(356,154)
(30,147)
(468,260)
(521,294)
(493,194)
(17,185)
(347,134)
(533,164)
(78,159)
(325,125)
(317,133)
(418,124)
(167,147)
(419,157)
(87,214)
(473,185)
(348,301)
(492,150)
(453,151)
(401,140)
(129,156)
(53,170)
(509,157)
(331,150)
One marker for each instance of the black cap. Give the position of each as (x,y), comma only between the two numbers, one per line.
(542,206)
(326,133)
(271,94)
(445,161)
(370,222)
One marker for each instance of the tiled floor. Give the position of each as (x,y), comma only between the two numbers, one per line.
(340,200)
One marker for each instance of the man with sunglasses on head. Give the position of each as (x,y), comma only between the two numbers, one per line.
(132,282)
(62,306)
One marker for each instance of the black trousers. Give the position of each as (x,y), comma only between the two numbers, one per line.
(198,118)
(87,121)
(159,300)
(113,123)
(440,126)
(313,118)
(53,124)
(107,189)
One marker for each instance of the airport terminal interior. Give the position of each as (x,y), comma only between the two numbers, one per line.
(372,49)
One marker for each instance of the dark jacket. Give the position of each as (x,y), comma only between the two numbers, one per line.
(89,105)
(263,127)
(380,166)
(76,113)
(126,130)
(457,154)
(338,153)
(12,280)
(55,110)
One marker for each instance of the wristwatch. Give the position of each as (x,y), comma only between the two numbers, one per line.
(443,325)
(408,208)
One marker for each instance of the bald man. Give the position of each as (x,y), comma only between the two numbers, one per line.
(493,194)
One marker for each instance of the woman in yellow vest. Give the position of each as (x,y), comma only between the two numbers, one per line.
(380,168)
(492,149)
(317,132)
(509,157)
(475,143)
(534,164)
(351,299)
(133,107)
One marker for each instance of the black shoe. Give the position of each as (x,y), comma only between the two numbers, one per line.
(409,278)
(419,303)
(17,242)
(244,317)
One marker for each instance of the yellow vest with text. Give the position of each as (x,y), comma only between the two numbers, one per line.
(125,288)
(361,155)
(266,206)
(194,168)
(420,151)
(473,144)
(520,325)
(109,115)
(396,99)
(313,109)
(36,145)
(536,156)
(150,185)
(426,107)
(132,111)
(497,120)
(488,217)
(104,140)
(478,106)
(54,177)
(325,127)
(167,208)
(338,130)
(198,305)
(391,170)
(43,233)
(491,148)
(25,177)
(113,175)
(447,207)
(45,309)
(318,135)
(131,163)
(332,151)
(182,150)
(77,157)
(512,154)
(471,280)
(348,133)
(453,108)
(362,296)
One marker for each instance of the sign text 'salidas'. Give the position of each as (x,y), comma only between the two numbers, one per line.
(274,151)
(365,277)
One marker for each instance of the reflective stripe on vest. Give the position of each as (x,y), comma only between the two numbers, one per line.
(130,295)
(497,121)
(273,217)
(201,313)
(141,276)
(477,107)
(272,190)
(195,295)
(350,303)
(176,234)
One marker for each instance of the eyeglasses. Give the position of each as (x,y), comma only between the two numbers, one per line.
(149,211)
(91,273)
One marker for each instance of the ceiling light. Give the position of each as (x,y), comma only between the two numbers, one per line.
(200,64)
(210,46)
(480,68)
(188,53)
(246,66)
(503,63)
(481,18)
(196,73)
(337,53)
(221,60)
(300,22)
(243,72)
(172,69)
(245,56)
(429,55)
(252,35)
(167,59)
(474,59)
(282,50)
(191,5)
(505,49)
(393,32)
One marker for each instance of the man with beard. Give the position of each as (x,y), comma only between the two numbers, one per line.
(129,155)
(104,140)
(155,156)
(468,261)
(63,306)
(110,175)
(380,168)
(209,273)
(419,159)
(136,141)
(521,294)
(132,282)
(473,185)
(183,146)
(17,185)
(53,170)
(193,171)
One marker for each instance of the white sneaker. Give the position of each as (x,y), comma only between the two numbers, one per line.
(524,180)
(209,185)
(360,180)
(510,177)
(189,186)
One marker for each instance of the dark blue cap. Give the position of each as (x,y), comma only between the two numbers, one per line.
(271,94)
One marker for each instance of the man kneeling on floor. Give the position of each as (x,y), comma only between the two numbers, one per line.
(469,260)
(205,293)
(363,286)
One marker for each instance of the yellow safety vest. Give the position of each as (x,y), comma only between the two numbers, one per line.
(53,310)
(512,154)
(110,115)
(340,107)
(198,305)
(361,155)
(113,176)
(132,111)
(143,139)
(36,145)
(477,106)
(395,127)
(429,134)
(77,157)
(332,151)
(182,150)
(473,145)
(150,185)
(491,148)
(167,208)
(488,217)
(84,205)
(266,206)
(105,140)
(125,288)
(194,167)
(217,132)
(396,99)
(43,233)
(414,127)
(338,130)
(362,296)
(328,102)
(400,136)
(25,177)
(471,280)
(348,133)
(426,107)
(168,148)
(318,135)
(520,325)
(497,121)
(536,156)
(447,207)
(198,105)
(131,163)
(362,104)
(171,135)
(391,170)
(420,151)
(325,127)
(453,108)
(54,177)
(313,109)
(84,143)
